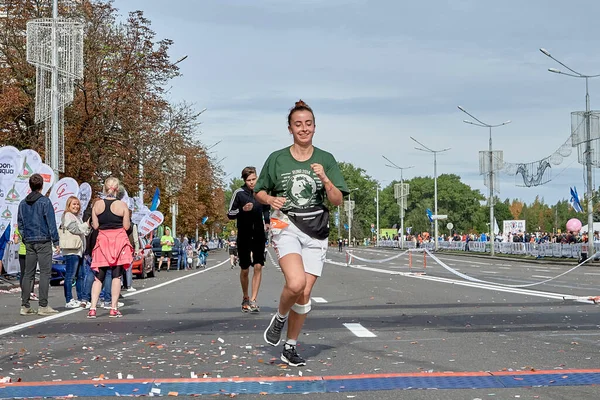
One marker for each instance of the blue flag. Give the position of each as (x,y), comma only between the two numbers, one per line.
(346,227)
(575,203)
(204,219)
(429,215)
(155,200)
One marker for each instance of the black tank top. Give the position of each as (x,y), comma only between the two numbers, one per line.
(108,220)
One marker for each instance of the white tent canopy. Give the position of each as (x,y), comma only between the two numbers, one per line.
(596,227)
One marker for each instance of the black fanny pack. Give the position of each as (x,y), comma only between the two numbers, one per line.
(312,221)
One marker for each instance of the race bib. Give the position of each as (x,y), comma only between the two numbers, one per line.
(279,221)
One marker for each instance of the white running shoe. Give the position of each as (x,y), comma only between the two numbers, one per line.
(131,289)
(73,304)
(108,306)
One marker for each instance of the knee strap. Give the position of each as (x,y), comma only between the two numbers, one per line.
(302,308)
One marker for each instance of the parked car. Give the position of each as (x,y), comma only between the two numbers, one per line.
(143,265)
(58,270)
(176,252)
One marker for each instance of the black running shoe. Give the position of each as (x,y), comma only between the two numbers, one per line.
(272,334)
(290,356)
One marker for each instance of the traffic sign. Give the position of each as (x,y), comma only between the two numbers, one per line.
(450,225)
(439,216)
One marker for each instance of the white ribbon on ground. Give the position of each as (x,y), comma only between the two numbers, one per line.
(469,278)
(351,255)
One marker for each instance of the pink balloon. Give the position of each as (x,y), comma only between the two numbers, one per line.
(574,225)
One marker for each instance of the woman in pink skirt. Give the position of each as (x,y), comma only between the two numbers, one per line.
(112,249)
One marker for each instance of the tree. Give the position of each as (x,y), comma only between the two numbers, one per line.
(516,208)
(120,118)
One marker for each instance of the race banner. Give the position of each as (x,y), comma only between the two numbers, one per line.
(48,174)
(60,193)
(31,162)
(139,210)
(150,222)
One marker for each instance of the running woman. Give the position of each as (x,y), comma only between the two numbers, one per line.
(252,223)
(295,182)
(233,251)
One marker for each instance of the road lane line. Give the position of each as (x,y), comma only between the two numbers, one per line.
(541,276)
(489,272)
(76,310)
(479,285)
(319,300)
(359,330)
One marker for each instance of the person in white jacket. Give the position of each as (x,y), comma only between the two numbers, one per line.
(71,224)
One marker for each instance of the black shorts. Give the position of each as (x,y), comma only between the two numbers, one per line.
(117,272)
(233,251)
(167,254)
(252,253)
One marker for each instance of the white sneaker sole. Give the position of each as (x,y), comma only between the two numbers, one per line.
(291,364)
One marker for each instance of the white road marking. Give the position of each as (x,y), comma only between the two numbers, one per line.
(487,286)
(319,300)
(504,268)
(489,272)
(541,276)
(76,310)
(541,270)
(591,273)
(359,330)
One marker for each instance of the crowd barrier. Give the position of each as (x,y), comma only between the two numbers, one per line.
(558,250)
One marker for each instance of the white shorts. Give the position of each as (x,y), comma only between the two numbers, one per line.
(291,240)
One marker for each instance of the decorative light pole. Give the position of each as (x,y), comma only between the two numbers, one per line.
(490,169)
(401,196)
(350,210)
(435,153)
(584,144)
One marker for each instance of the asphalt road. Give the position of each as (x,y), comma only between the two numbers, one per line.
(187,326)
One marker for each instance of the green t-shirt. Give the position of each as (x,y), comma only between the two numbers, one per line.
(167,247)
(22,250)
(284,176)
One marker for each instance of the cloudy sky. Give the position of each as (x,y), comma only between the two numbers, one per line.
(378,72)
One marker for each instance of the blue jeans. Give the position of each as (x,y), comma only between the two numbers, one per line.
(106,293)
(128,278)
(87,281)
(203,257)
(71,263)
(80,283)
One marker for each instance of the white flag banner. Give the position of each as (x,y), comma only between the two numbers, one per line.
(139,210)
(85,195)
(60,193)
(10,160)
(48,174)
(8,216)
(31,163)
(150,222)
(10,163)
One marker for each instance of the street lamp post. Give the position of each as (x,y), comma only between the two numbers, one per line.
(377,227)
(491,170)
(393,165)
(350,212)
(588,146)
(434,152)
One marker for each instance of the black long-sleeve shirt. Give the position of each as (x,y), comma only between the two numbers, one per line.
(248,222)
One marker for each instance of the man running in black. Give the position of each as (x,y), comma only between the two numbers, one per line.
(252,222)
(233,251)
